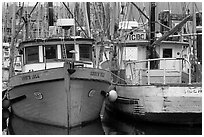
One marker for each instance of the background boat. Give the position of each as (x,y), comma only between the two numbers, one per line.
(156,81)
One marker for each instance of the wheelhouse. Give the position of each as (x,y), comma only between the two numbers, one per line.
(42,54)
(171,66)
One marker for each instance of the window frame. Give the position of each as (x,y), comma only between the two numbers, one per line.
(26,55)
(165,54)
(67,50)
(89,52)
(45,55)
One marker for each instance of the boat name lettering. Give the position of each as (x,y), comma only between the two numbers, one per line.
(28,77)
(98,74)
(136,36)
(189,91)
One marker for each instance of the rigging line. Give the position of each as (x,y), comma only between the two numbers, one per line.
(98,18)
(162,25)
(103,16)
(107,28)
(129,9)
(108,24)
(140,10)
(75,19)
(20,14)
(127,16)
(33,8)
(24,21)
(119,77)
(148,17)
(20,8)
(197,8)
(141,16)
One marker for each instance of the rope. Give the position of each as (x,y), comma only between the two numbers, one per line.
(119,77)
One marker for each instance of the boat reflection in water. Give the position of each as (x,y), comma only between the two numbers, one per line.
(120,125)
(109,125)
(19,126)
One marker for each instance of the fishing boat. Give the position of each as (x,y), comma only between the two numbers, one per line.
(155,81)
(59,85)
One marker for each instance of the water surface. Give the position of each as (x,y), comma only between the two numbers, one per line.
(108,125)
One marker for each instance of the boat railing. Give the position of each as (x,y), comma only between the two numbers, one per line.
(164,69)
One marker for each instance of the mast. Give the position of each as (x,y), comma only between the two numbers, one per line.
(196,72)
(112,19)
(194,31)
(50,14)
(25,36)
(87,16)
(12,48)
(152,29)
(44,21)
(74,18)
(5,34)
(38,20)
(151,47)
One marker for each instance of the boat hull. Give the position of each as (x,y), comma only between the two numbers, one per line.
(175,104)
(55,97)
(33,128)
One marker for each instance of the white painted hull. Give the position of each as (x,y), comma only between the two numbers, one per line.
(176,104)
(56,98)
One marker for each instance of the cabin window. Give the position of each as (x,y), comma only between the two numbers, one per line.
(167,53)
(85,51)
(32,54)
(51,51)
(69,47)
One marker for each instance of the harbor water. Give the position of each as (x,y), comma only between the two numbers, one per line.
(108,124)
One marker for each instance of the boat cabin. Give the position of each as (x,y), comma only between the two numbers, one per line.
(40,54)
(172,64)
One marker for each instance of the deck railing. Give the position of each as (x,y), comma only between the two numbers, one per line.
(164,69)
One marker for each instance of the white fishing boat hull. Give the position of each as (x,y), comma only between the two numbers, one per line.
(56,97)
(175,104)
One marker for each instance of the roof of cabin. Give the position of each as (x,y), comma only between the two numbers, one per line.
(143,43)
(34,42)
